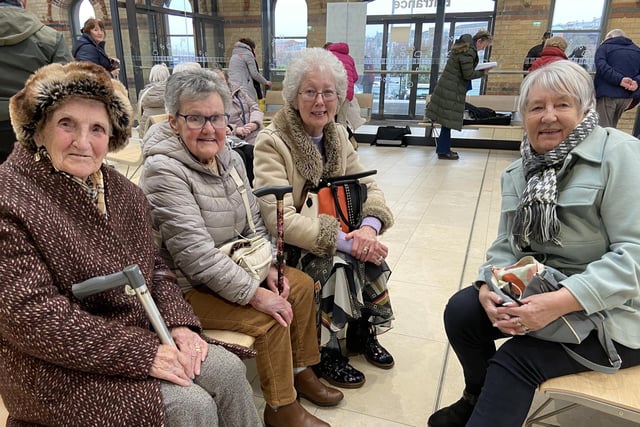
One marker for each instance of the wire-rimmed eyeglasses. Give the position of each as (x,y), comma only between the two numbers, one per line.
(311,95)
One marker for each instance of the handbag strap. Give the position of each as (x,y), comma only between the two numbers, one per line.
(607,345)
(242,189)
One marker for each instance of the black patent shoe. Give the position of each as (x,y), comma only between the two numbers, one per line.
(362,339)
(451,155)
(376,354)
(335,368)
(455,415)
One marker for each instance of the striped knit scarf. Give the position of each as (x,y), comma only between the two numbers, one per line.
(536,217)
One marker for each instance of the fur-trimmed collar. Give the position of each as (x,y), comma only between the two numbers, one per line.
(306,157)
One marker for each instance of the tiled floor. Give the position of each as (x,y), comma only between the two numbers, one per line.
(446,215)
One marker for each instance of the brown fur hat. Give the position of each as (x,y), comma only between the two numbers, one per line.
(53,84)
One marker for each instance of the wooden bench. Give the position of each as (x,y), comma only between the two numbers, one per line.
(365,100)
(273,101)
(498,103)
(616,394)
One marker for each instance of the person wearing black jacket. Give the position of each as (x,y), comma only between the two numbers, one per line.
(90,47)
(536,51)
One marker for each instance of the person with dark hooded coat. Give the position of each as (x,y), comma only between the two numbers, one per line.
(447,101)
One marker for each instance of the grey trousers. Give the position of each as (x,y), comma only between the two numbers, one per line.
(220,395)
(610,110)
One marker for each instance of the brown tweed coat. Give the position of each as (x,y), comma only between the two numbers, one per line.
(63,361)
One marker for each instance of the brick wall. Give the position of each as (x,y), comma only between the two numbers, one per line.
(519,25)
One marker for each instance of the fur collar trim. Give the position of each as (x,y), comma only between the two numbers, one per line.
(306,157)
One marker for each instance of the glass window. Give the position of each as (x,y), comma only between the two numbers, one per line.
(580,27)
(290,31)
(81,11)
(180,41)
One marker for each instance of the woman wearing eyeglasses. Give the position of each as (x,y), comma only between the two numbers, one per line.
(196,208)
(302,145)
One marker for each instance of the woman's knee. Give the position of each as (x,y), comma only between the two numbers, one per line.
(463,309)
(189,406)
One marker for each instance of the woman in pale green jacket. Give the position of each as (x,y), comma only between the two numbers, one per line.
(571,201)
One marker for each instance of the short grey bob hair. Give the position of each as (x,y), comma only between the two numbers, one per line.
(313,59)
(194,85)
(563,77)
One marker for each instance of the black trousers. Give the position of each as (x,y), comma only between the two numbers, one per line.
(506,379)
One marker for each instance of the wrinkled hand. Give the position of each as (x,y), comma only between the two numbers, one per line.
(192,345)
(272,283)
(269,302)
(366,247)
(169,365)
(268,83)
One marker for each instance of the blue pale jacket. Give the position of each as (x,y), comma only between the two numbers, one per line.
(598,205)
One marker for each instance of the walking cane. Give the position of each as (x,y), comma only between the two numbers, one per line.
(132,276)
(279,192)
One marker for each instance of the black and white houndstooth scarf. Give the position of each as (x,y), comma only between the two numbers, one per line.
(536,217)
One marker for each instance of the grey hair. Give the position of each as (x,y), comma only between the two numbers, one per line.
(194,85)
(159,73)
(183,66)
(562,77)
(617,32)
(313,59)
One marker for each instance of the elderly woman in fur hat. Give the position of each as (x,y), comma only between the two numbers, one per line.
(300,147)
(65,217)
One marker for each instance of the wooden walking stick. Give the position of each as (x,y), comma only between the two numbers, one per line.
(279,192)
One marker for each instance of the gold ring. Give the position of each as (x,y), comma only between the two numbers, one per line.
(380,258)
(525,329)
(365,250)
(198,349)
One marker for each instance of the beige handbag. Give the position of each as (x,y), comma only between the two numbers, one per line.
(255,254)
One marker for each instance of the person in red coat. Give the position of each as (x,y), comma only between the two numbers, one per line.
(349,111)
(553,51)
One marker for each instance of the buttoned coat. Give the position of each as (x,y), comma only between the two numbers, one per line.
(286,155)
(64,361)
(446,106)
(597,193)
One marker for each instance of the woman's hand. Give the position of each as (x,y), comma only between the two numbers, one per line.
(269,302)
(490,301)
(192,345)
(366,247)
(272,283)
(536,311)
(169,365)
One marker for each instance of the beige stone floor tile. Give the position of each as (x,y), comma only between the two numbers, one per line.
(430,267)
(418,310)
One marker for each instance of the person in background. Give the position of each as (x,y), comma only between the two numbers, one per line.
(617,77)
(447,101)
(243,67)
(567,203)
(151,98)
(197,207)
(554,50)
(65,217)
(535,52)
(349,112)
(302,145)
(26,44)
(90,47)
(245,120)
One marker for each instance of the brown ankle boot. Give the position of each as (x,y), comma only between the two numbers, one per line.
(309,386)
(291,415)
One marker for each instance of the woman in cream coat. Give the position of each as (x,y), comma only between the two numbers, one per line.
(302,145)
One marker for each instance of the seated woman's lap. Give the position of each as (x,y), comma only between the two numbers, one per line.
(215,312)
(200,403)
